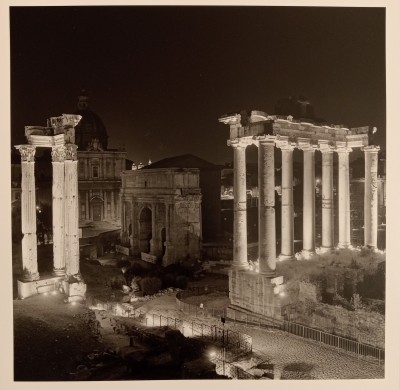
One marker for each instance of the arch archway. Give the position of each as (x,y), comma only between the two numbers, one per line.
(145,230)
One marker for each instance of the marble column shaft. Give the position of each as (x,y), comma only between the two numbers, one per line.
(71,212)
(287,223)
(154,242)
(266,208)
(58,159)
(239,207)
(112,205)
(327,200)
(344,198)
(28,213)
(371,197)
(309,200)
(87,209)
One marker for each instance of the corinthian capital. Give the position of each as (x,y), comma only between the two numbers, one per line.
(71,152)
(58,153)
(27,152)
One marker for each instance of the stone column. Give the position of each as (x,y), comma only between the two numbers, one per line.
(28,213)
(239,207)
(371,197)
(344,198)
(287,235)
(266,208)
(327,200)
(308,201)
(168,255)
(71,213)
(58,160)
(112,205)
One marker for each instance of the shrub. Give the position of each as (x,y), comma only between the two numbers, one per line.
(181,282)
(150,285)
(168,280)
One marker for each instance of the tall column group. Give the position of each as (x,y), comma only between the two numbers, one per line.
(65,212)
(266,212)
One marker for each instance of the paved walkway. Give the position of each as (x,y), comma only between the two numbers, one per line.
(283,350)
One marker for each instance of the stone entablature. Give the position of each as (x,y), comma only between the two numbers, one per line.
(286,128)
(161,213)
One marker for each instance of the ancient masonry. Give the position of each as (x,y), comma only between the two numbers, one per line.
(60,137)
(258,292)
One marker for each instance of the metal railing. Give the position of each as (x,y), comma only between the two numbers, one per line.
(362,351)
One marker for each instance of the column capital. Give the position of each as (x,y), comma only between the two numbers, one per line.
(238,144)
(285,145)
(27,152)
(307,148)
(71,152)
(371,149)
(343,149)
(326,149)
(58,153)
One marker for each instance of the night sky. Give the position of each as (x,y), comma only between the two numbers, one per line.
(160,77)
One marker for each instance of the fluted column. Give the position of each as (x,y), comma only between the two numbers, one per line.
(105,204)
(28,213)
(371,197)
(287,230)
(308,201)
(58,160)
(327,200)
(344,198)
(266,208)
(239,206)
(71,213)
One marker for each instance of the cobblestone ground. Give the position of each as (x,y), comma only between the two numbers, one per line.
(292,357)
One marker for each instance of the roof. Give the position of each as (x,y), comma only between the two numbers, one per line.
(183,161)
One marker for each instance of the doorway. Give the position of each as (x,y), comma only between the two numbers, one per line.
(145,230)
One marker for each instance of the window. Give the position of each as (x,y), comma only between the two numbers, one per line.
(95,171)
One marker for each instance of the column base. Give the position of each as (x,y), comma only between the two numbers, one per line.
(30,277)
(344,246)
(75,290)
(239,266)
(256,293)
(59,271)
(283,257)
(27,289)
(325,249)
(307,254)
(371,248)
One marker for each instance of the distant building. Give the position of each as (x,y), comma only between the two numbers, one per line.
(99,169)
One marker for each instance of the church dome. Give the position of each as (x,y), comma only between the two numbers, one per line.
(90,128)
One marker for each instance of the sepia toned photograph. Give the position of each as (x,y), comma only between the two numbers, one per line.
(198,192)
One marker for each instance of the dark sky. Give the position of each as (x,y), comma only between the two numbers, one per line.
(160,77)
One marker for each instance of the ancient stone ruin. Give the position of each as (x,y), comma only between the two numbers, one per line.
(259,292)
(59,135)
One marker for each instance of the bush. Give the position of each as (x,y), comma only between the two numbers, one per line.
(181,282)
(150,285)
(168,281)
(135,270)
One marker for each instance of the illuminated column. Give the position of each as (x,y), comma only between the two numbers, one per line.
(239,206)
(287,235)
(58,160)
(371,196)
(28,213)
(105,204)
(71,213)
(308,201)
(344,198)
(327,199)
(266,208)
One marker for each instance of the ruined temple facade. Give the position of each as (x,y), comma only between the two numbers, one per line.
(259,291)
(59,137)
(161,214)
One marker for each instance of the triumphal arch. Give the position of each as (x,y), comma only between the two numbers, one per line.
(260,292)
(59,135)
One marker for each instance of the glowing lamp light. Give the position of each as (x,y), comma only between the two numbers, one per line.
(54,292)
(45,293)
(212,354)
(73,303)
(282,294)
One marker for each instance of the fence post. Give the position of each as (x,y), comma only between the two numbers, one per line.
(192,329)
(160,321)
(153,319)
(175,323)
(201,330)
(358,350)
